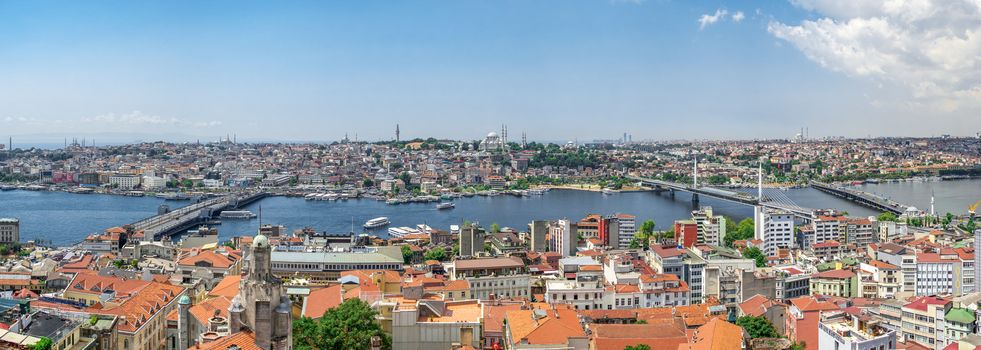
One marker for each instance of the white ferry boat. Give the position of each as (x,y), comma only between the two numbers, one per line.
(401,231)
(445,205)
(236,214)
(377,222)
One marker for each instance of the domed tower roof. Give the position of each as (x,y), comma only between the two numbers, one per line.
(184,300)
(260,241)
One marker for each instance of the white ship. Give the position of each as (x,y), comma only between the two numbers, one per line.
(377,222)
(445,205)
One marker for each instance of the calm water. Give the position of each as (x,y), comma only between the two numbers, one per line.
(66,218)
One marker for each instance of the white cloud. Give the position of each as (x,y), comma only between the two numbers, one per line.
(930,48)
(707,19)
(140,118)
(738,16)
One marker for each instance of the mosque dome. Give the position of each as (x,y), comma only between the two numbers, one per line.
(492,134)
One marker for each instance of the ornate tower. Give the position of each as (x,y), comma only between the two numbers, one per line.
(185,337)
(260,301)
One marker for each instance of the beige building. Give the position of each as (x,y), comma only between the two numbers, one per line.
(9,230)
(436,324)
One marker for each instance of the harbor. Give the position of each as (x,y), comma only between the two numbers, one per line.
(85,214)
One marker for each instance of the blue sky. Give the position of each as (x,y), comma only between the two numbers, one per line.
(556,70)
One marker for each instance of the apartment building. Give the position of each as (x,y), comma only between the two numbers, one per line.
(923,321)
(502,277)
(775,228)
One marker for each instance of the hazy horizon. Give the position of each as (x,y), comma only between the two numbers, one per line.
(555,70)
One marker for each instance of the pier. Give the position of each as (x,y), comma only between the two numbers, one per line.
(183,218)
(861,197)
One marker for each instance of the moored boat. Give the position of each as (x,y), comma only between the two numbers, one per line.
(377,222)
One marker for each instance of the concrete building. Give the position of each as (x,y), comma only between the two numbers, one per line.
(538,230)
(879,280)
(628,228)
(861,231)
(939,274)
(959,322)
(471,241)
(842,283)
(324,267)
(711,228)
(436,324)
(500,277)
(9,230)
(854,332)
(827,228)
(563,237)
(923,321)
(775,228)
(124,181)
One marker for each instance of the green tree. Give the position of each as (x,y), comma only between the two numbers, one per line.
(637,347)
(495,228)
(43,344)
(887,216)
(755,254)
(436,254)
(746,229)
(647,227)
(406,254)
(349,326)
(757,327)
(947,220)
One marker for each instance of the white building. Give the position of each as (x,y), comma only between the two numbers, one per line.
(775,228)
(154,182)
(827,228)
(9,230)
(126,182)
(628,227)
(563,237)
(711,228)
(849,332)
(501,277)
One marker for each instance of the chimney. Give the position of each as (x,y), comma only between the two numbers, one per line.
(466,336)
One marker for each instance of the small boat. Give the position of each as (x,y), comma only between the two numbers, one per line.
(377,222)
(608,191)
(445,205)
(236,214)
(7,188)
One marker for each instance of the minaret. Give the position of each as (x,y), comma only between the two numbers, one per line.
(524,140)
(695,179)
(759,188)
(396,132)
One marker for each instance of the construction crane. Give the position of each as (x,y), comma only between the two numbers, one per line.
(972,207)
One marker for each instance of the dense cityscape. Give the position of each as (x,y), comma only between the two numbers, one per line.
(786,278)
(490,175)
